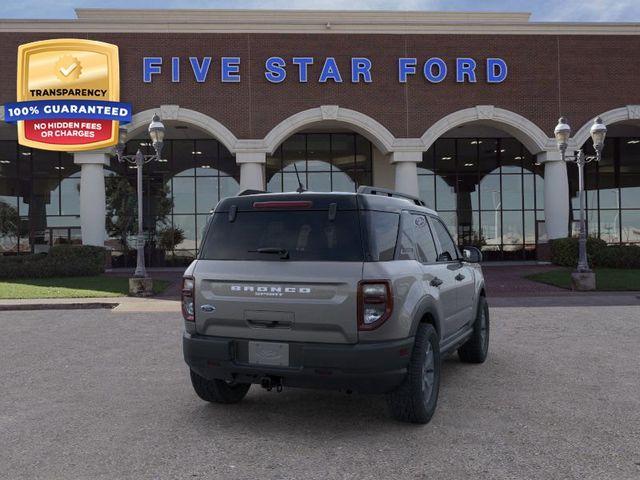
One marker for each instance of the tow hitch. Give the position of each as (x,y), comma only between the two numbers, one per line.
(269,383)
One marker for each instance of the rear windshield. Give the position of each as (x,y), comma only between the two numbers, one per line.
(307,235)
(304,235)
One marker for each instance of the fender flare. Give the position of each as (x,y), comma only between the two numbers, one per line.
(427,306)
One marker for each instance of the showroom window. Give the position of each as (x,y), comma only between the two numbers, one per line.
(488,191)
(325,162)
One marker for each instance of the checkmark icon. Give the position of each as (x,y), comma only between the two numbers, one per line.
(66,71)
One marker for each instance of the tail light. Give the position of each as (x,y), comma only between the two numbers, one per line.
(375,303)
(188,307)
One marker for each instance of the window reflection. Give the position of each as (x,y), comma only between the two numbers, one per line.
(325,162)
(490,191)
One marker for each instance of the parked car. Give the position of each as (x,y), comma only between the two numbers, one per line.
(359,292)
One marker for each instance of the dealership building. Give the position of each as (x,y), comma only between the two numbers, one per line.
(456,108)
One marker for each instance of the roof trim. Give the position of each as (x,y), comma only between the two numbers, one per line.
(311,21)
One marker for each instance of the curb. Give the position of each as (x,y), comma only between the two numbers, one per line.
(57,306)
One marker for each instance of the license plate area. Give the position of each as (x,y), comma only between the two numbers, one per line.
(269,353)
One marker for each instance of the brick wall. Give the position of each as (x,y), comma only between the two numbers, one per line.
(578,76)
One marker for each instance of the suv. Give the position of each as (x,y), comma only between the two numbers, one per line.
(357,292)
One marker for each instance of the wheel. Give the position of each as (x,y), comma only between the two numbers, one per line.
(475,350)
(218,391)
(415,400)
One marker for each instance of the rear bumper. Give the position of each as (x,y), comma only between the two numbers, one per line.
(366,367)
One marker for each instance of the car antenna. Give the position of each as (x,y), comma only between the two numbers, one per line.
(300,188)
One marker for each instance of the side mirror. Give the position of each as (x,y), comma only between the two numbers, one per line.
(471,254)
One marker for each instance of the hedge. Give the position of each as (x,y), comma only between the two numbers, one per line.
(61,261)
(564,252)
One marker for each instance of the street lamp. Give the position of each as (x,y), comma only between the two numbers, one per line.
(562,133)
(156,133)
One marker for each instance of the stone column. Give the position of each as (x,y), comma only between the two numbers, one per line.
(406,169)
(251,170)
(556,194)
(93,208)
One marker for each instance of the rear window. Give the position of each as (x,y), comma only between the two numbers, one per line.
(305,235)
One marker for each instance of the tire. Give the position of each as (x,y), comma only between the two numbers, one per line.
(415,400)
(218,391)
(475,350)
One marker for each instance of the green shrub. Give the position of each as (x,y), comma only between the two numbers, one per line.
(61,261)
(564,252)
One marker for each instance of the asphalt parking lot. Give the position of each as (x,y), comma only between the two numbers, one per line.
(103,395)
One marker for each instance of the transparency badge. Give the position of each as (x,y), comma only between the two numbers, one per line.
(68,95)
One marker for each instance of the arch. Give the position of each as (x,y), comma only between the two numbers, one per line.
(141,120)
(527,132)
(622,114)
(382,138)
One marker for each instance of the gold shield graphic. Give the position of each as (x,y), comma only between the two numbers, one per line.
(69,69)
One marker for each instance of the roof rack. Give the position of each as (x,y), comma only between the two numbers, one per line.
(390,193)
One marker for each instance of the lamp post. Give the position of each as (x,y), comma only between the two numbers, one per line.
(562,133)
(156,133)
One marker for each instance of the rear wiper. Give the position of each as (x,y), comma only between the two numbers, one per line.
(283,252)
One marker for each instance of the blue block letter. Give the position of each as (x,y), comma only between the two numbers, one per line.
(151,66)
(428,70)
(496,70)
(360,67)
(465,67)
(330,71)
(175,69)
(275,69)
(406,66)
(303,64)
(200,71)
(230,70)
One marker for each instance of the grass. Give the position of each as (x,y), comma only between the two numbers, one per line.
(607,279)
(70,287)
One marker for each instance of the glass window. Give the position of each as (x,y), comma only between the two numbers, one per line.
(305,235)
(449,251)
(610,226)
(445,193)
(630,190)
(490,195)
(182,159)
(512,192)
(325,162)
(183,195)
(382,233)
(630,226)
(445,156)
(8,159)
(426,247)
(208,194)
(426,186)
(319,152)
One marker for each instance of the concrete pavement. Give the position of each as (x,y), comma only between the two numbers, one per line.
(104,394)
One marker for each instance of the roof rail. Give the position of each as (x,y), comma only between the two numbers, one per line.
(390,193)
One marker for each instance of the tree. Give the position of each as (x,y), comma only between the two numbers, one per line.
(9,221)
(122,208)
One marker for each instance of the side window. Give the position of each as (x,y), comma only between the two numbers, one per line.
(449,251)
(406,250)
(425,246)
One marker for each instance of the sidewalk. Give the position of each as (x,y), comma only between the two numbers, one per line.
(506,287)
(117,304)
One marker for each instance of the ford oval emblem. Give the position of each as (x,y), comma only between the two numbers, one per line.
(207,308)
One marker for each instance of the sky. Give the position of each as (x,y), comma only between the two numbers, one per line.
(542,10)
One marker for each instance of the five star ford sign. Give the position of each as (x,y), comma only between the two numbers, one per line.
(68,95)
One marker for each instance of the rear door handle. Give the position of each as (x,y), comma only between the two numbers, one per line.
(436,282)
(459,277)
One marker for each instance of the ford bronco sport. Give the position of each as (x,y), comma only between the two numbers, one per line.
(357,291)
